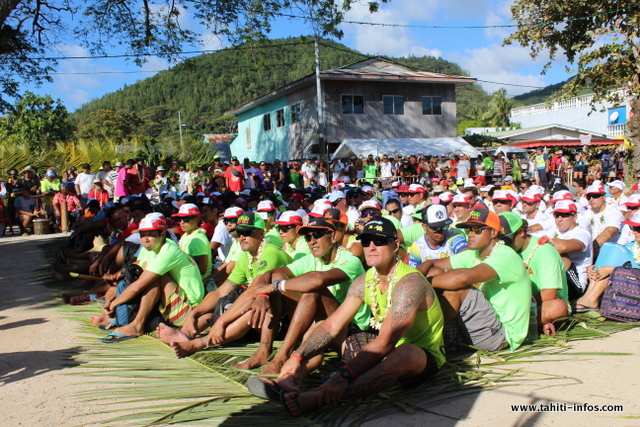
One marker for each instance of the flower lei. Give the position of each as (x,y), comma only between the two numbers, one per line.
(495,247)
(635,250)
(332,264)
(257,257)
(541,241)
(375,321)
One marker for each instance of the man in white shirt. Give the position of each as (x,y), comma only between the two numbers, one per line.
(606,220)
(463,167)
(84,183)
(531,211)
(386,171)
(574,245)
(309,171)
(616,189)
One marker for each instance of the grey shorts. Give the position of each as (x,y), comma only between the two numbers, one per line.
(481,322)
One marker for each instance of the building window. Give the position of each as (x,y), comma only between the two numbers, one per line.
(280,118)
(352,104)
(393,104)
(266,122)
(432,105)
(296,113)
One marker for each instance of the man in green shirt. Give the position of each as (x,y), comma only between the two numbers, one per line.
(170,280)
(311,287)
(259,256)
(487,285)
(545,268)
(404,345)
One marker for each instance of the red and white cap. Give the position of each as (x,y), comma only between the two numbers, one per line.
(266,206)
(633,200)
(403,188)
(634,221)
(469,182)
(320,207)
(562,195)
(502,195)
(617,184)
(370,204)
(531,196)
(188,209)
(367,189)
(446,197)
(395,184)
(565,206)
(233,212)
(153,221)
(538,189)
(289,218)
(461,198)
(416,188)
(595,189)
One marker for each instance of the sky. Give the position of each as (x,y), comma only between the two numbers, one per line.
(478,51)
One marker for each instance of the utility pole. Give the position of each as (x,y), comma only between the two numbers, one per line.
(180,127)
(321,143)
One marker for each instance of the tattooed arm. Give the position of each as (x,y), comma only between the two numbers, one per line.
(461,278)
(324,334)
(410,294)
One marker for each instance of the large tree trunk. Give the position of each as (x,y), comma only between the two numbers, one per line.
(633,124)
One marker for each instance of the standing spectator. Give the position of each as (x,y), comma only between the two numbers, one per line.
(111,177)
(309,171)
(323,175)
(122,182)
(29,179)
(464,166)
(138,180)
(83,183)
(541,161)
(234,176)
(249,172)
(99,193)
(516,169)
(488,167)
(103,174)
(480,170)
(48,187)
(336,169)
(499,167)
(370,170)
(386,171)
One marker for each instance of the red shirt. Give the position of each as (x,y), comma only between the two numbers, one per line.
(102,196)
(236,181)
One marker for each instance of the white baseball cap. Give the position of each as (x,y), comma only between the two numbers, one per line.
(446,197)
(617,184)
(289,218)
(435,216)
(461,198)
(370,204)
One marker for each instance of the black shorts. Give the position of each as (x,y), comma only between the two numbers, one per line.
(429,371)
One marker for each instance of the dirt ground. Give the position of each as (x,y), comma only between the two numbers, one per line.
(38,345)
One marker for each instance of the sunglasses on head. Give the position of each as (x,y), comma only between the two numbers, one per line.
(185,218)
(635,228)
(284,228)
(230,220)
(594,196)
(316,234)
(562,214)
(477,230)
(369,212)
(377,241)
(395,211)
(245,233)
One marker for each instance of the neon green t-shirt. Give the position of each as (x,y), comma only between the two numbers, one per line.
(235,252)
(546,269)
(46,186)
(196,244)
(370,171)
(350,265)
(396,223)
(298,249)
(182,269)
(270,258)
(411,233)
(427,329)
(509,294)
(274,237)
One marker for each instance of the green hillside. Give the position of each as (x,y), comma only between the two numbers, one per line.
(204,87)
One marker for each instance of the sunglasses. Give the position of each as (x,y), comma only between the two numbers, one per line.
(186,218)
(594,196)
(230,220)
(501,202)
(317,234)
(635,228)
(245,233)
(562,214)
(262,164)
(369,212)
(529,203)
(403,194)
(395,211)
(633,208)
(377,241)
(439,230)
(284,228)
(477,230)
(352,195)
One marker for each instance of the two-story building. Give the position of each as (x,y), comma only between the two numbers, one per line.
(373,98)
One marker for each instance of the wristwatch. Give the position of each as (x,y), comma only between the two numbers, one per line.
(344,373)
(275,284)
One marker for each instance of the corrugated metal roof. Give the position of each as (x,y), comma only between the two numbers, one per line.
(218,137)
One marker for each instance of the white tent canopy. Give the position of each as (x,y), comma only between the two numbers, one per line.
(404,147)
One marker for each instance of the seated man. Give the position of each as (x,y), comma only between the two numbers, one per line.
(27,210)
(194,241)
(311,287)
(496,313)
(74,209)
(293,243)
(438,241)
(170,280)
(260,256)
(545,268)
(406,346)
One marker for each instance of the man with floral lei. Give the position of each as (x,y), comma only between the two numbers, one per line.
(486,288)
(259,257)
(606,220)
(404,342)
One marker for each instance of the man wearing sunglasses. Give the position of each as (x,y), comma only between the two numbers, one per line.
(502,201)
(194,241)
(606,220)
(530,208)
(311,288)
(293,243)
(438,241)
(354,199)
(403,345)
(216,310)
(267,211)
(495,315)
(574,244)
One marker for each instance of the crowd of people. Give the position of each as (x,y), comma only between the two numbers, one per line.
(391,262)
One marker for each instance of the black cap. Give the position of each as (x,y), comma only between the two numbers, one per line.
(316,224)
(379,227)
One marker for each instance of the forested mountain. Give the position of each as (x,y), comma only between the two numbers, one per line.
(204,87)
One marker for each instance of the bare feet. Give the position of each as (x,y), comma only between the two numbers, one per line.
(187,348)
(273,367)
(168,335)
(258,358)
(129,330)
(59,276)
(189,328)
(548,329)
(288,383)
(298,403)
(101,320)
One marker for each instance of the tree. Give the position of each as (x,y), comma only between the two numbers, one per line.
(117,126)
(38,121)
(29,27)
(599,38)
(499,109)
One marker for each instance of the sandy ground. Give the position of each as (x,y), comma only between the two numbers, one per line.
(38,344)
